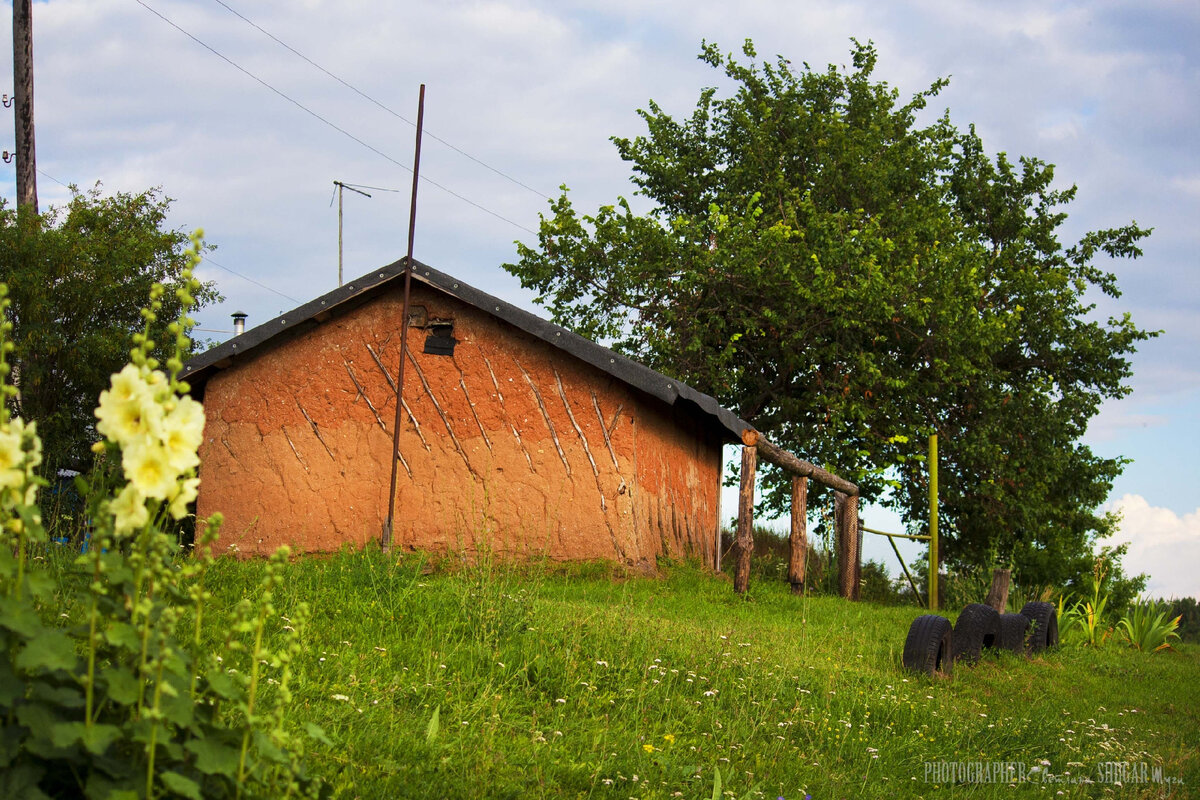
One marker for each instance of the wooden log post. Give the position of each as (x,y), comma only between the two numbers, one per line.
(745,529)
(846,518)
(798,540)
(997,596)
(858,542)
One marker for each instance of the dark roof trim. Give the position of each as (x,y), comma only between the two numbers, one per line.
(668,390)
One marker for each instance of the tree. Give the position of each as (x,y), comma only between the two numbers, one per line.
(849,281)
(78,278)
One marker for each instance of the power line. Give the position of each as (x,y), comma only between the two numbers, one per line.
(209,260)
(337,128)
(375,188)
(371,99)
(51,177)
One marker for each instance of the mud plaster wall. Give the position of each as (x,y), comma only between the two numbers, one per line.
(509,444)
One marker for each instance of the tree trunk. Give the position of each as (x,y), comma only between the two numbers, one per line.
(997,596)
(798,541)
(745,529)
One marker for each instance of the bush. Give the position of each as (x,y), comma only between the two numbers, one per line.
(128,703)
(1148,627)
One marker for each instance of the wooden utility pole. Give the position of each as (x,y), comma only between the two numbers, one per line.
(23,105)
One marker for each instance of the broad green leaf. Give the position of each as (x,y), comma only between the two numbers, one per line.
(214,757)
(181,785)
(62,696)
(20,617)
(179,709)
(65,734)
(124,636)
(98,738)
(122,685)
(51,650)
(222,685)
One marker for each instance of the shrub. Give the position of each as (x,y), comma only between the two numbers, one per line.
(127,703)
(1148,627)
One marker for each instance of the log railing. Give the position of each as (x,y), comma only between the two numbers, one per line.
(755,446)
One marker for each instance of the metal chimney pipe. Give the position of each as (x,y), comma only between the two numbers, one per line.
(239,322)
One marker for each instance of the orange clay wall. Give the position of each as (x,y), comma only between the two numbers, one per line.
(509,445)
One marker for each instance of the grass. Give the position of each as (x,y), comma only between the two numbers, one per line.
(450,680)
(545,681)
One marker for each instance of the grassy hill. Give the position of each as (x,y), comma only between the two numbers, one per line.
(444,680)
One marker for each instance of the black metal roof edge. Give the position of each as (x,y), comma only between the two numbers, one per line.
(624,369)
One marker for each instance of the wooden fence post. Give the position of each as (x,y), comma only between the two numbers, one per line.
(745,530)
(857,553)
(798,541)
(846,518)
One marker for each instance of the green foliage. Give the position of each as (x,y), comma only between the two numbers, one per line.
(1148,626)
(124,701)
(849,281)
(77,279)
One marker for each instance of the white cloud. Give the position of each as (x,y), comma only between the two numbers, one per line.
(1188,184)
(1162,544)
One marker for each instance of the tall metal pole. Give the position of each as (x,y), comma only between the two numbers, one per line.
(389,525)
(23,105)
(933,522)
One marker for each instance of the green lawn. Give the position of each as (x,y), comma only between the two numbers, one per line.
(542,681)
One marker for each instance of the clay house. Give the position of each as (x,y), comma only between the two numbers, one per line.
(517,435)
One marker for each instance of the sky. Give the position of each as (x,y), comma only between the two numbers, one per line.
(245,113)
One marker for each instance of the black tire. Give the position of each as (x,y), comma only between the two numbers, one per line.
(978,627)
(1044,619)
(1013,628)
(927,648)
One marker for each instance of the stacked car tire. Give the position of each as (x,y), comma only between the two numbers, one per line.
(933,645)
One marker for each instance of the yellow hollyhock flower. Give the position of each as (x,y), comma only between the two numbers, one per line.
(129,510)
(128,409)
(148,468)
(185,492)
(12,459)
(182,432)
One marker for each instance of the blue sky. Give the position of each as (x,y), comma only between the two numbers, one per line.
(1109,92)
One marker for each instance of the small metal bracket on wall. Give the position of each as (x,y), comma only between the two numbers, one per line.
(8,157)
(8,101)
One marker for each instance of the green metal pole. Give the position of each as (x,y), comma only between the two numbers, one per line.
(933,520)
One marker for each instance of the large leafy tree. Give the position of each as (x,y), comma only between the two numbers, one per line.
(78,278)
(849,281)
